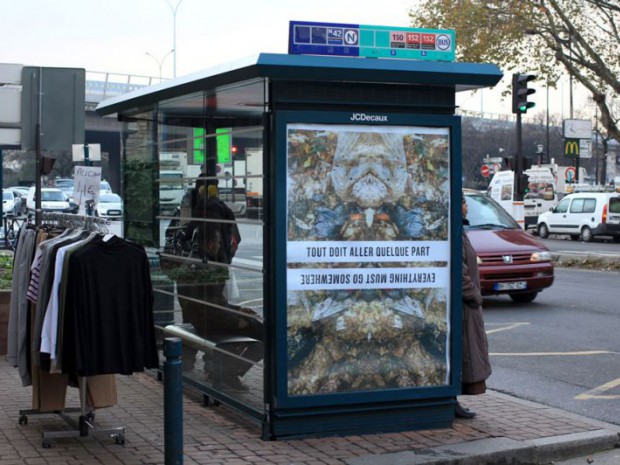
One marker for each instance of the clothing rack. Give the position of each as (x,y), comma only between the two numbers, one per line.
(71,220)
(84,426)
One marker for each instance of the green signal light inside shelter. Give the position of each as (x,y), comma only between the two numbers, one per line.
(224,144)
(199,146)
(223,141)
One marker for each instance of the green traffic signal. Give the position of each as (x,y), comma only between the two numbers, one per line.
(527,106)
(520,92)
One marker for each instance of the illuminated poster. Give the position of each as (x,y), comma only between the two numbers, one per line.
(368,258)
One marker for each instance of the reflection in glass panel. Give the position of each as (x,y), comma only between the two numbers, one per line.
(193,196)
(211,253)
(139,180)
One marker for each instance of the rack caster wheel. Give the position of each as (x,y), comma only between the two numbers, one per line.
(119,439)
(90,416)
(208,401)
(23,420)
(46,445)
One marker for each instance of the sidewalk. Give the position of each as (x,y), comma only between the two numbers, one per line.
(506,430)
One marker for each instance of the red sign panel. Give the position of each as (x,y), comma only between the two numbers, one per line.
(428,41)
(484,171)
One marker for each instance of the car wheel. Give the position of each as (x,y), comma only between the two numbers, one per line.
(543,231)
(523,298)
(574,237)
(586,234)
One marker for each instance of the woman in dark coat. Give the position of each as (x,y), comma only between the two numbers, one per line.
(476,365)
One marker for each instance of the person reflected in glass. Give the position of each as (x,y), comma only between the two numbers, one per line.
(232,333)
(476,364)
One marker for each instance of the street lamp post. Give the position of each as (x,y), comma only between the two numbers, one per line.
(174,33)
(160,63)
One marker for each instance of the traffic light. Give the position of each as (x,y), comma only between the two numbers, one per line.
(524,184)
(510,163)
(520,92)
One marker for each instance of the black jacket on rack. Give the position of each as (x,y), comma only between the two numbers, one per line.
(108,314)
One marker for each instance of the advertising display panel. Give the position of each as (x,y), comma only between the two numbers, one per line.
(368,267)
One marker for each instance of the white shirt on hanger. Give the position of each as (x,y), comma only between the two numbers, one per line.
(49,333)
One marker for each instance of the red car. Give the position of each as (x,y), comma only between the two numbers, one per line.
(510,260)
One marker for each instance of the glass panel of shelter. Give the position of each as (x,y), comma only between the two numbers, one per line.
(211,241)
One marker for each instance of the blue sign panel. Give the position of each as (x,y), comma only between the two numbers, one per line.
(323,39)
(357,40)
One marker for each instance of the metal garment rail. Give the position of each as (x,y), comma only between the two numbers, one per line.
(85,426)
(71,220)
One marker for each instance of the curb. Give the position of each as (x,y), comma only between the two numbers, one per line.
(494,451)
(507,451)
(573,445)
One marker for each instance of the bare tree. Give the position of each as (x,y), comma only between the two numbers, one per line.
(546,37)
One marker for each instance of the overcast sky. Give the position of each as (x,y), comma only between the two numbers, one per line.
(115,35)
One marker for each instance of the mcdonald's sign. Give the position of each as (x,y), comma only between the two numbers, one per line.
(571,147)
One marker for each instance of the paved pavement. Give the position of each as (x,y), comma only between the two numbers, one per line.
(506,431)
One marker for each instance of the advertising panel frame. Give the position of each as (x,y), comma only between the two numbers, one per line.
(374,120)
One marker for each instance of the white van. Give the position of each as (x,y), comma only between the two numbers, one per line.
(583,215)
(540,196)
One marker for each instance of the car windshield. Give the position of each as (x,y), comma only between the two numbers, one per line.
(7,196)
(105,186)
(109,198)
(484,213)
(52,196)
(64,183)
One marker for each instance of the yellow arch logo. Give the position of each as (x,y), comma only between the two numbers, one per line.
(571,147)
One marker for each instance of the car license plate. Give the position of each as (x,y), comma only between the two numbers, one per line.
(517,285)
(114,212)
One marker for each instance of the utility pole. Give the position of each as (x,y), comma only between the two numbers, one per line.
(570,94)
(519,162)
(160,63)
(174,33)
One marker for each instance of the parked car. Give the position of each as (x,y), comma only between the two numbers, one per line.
(22,193)
(109,206)
(511,261)
(65,185)
(11,203)
(584,216)
(105,188)
(52,199)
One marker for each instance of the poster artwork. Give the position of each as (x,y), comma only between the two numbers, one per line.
(368,258)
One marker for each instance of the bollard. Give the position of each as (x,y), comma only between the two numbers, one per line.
(173,402)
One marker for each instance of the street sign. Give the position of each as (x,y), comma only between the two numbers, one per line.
(577,128)
(78,152)
(361,40)
(584,148)
(570,174)
(484,171)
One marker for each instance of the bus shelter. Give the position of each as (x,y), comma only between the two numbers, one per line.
(329,302)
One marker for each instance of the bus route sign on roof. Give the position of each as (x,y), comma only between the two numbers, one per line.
(359,40)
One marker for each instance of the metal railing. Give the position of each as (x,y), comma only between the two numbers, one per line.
(101,85)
